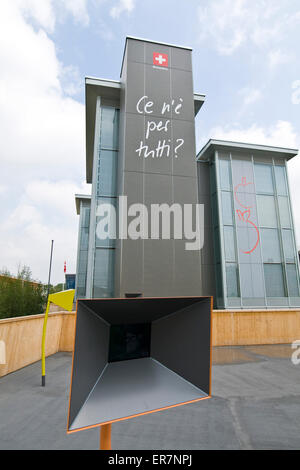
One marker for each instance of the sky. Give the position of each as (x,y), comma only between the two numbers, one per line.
(246,60)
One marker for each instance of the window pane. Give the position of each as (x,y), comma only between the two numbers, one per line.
(227,208)
(284,212)
(266,211)
(104,273)
(274,280)
(232,280)
(270,245)
(280,178)
(82,262)
(107,173)
(109,128)
(288,246)
(229,242)
(263,178)
(80,285)
(106,231)
(291,273)
(85,216)
(84,238)
(225,180)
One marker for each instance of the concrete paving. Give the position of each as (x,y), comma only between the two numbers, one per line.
(255,405)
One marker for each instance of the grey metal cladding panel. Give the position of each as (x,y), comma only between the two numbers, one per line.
(133,187)
(158,89)
(137,310)
(181,342)
(206,201)
(135,51)
(181,59)
(132,267)
(184,157)
(182,88)
(208,283)
(187,270)
(185,191)
(134,128)
(207,252)
(134,86)
(157,189)
(154,163)
(90,356)
(158,267)
(131,387)
(203,173)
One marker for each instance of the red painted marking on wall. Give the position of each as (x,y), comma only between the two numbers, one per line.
(245,216)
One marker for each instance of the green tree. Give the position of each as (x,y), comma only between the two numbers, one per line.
(57,288)
(20,295)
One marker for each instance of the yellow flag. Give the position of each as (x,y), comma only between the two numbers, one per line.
(63,299)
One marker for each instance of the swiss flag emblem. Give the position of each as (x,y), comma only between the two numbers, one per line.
(160,59)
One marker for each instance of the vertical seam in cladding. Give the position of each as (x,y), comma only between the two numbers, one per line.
(173,283)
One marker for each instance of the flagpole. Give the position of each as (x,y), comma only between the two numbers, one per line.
(65,270)
(45,322)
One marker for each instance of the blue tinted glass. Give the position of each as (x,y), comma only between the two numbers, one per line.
(229,241)
(85,211)
(270,245)
(284,212)
(263,178)
(288,246)
(82,261)
(103,273)
(292,280)
(109,128)
(107,173)
(225,179)
(274,280)
(84,238)
(280,177)
(232,280)
(266,211)
(106,223)
(227,208)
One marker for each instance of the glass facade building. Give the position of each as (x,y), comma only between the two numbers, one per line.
(97,257)
(255,255)
(83,206)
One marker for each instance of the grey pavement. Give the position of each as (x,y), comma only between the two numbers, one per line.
(255,405)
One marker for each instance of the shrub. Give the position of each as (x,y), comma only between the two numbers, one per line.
(21,295)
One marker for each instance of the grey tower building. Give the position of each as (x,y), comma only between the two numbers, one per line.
(140,144)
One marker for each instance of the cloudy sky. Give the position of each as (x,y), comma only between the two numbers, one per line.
(246,60)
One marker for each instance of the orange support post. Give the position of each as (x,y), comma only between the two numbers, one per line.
(105,437)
